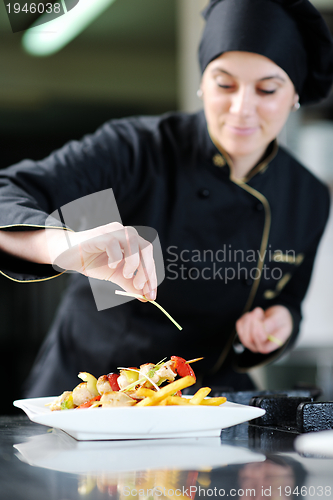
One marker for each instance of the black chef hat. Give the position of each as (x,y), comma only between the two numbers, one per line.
(292,33)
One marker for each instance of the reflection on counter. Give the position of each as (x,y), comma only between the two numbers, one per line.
(57,451)
(275,477)
(166,469)
(147,485)
(242,464)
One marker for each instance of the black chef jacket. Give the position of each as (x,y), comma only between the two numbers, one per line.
(167,173)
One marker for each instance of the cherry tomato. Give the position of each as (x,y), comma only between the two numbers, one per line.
(182,368)
(112,378)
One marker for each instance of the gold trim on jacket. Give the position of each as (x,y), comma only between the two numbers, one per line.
(242,183)
(41,227)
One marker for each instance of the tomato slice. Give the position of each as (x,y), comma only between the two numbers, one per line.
(112,378)
(182,368)
(88,403)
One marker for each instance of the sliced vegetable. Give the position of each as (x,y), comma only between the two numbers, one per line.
(67,404)
(143,377)
(112,378)
(89,403)
(132,375)
(182,367)
(63,402)
(91,382)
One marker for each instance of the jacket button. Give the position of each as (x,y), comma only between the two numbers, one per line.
(218,160)
(248,281)
(259,207)
(204,193)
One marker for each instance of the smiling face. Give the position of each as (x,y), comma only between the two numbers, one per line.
(247,99)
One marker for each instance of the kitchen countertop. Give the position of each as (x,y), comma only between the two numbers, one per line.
(37,463)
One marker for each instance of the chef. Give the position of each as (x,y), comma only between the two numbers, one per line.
(238,218)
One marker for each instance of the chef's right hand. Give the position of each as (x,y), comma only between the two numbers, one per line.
(111,253)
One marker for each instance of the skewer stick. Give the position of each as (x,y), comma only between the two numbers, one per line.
(193,360)
(137,296)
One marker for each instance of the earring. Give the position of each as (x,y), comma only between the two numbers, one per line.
(296,106)
(199,93)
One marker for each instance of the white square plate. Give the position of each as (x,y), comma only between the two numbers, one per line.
(150,422)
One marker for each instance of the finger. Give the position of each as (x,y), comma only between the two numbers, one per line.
(246,331)
(149,292)
(252,336)
(252,332)
(271,324)
(131,252)
(258,341)
(258,332)
(137,251)
(258,313)
(269,343)
(126,284)
(140,278)
(148,265)
(100,251)
(144,275)
(114,252)
(142,283)
(277,338)
(128,244)
(268,347)
(277,330)
(122,244)
(259,335)
(243,327)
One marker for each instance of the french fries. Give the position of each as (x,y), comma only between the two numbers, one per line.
(213,401)
(168,390)
(175,401)
(165,397)
(200,395)
(142,392)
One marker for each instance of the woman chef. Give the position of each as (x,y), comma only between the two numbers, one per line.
(238,218)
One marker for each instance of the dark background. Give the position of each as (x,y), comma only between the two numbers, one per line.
(123,64)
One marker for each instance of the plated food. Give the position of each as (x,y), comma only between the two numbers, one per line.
(106,406)
(149,385)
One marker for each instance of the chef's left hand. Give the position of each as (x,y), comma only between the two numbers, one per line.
(255,327)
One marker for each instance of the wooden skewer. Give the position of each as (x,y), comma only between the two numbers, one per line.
(193,360)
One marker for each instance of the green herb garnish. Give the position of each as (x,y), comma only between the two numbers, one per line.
(137,296)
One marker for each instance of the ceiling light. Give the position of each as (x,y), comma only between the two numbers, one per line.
(46,39)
